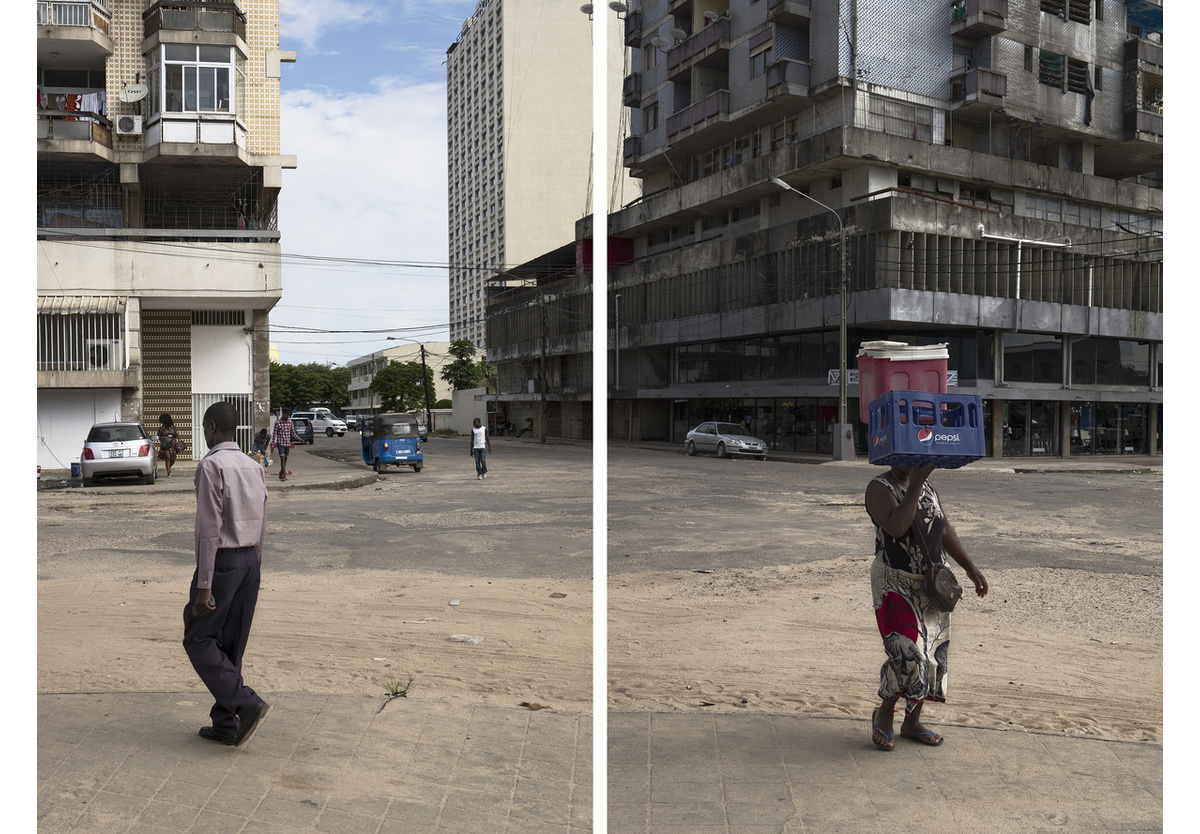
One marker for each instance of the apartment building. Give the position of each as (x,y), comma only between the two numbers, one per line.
(364,401)
(158,179)
(994,168)
(519,130)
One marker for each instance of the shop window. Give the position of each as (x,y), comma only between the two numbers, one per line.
(1032,357)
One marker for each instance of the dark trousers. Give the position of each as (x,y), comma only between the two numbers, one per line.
(215,642)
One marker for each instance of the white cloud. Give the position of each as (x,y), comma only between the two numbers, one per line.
(306,21)
(370,183)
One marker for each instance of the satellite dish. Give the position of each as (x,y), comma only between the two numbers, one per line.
(586,8)
(618,7)
(133,92)
(660,42)
(677,34)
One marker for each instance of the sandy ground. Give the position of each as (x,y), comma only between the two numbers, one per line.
(113,635)
(1068,651)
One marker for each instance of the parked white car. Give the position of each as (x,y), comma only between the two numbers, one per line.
(324,421)
(115,450)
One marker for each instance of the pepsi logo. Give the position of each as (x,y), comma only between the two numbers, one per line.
(925,436)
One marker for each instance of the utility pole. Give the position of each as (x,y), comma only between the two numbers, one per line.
(425,382)
(542,298)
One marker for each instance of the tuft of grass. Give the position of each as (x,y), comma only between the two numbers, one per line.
(396,690)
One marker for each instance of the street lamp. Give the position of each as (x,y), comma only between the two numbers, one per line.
(843,436)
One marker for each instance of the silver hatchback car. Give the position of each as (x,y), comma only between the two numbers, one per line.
(725,440)
(118,450)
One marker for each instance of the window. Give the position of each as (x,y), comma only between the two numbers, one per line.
(1032,357)
(1051,68)
(1097,76)
(650,118)
(759,62)
(1043,208)
(650,57)
(1080,11)
(189,78)
(1077,73)
(1029,59)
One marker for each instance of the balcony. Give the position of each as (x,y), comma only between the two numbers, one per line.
(793,13)
(193,16)
(1144,126)
(707,48)
(787,78)
(976,85)
(72,126)
(631,90)
(679,8)
(978,18)
(701,115)
(73,34)
(632,148)
(1145,55)
(633,29)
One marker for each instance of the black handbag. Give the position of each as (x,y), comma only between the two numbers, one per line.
(941,586)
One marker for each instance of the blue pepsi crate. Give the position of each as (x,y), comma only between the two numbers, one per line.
(908,428)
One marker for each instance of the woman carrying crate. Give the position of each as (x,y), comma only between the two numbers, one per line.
(908,514)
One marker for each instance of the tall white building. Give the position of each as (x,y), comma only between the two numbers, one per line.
(519,128)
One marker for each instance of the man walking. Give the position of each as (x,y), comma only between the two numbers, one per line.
(281,439)
(231,523)
(481,444)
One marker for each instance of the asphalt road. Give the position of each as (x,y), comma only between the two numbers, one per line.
(668,511)
(531,517)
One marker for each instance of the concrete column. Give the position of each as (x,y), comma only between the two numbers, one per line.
(997,428)
(1151,427)
(260,348)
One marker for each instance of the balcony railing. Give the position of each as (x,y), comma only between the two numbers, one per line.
(76,125)
(715,105)
(714,36)
(633,147)
(193,16)
(977,18)
(794,13)
(1138,51)
(633,29)
(969,85)
(1139,122)
(789,72)
(89,15)
(631,90)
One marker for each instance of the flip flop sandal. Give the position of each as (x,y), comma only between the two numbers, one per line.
(931,736)
(887,736)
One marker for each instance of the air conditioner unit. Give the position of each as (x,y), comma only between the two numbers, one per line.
(129,125)
(105,355)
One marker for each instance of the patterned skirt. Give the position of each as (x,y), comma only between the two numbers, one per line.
(916,636)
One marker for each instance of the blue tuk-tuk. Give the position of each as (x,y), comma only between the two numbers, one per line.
(391,440)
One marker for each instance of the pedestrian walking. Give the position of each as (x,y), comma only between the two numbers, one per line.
(282,440)
(915,630)
(481,444)
(528,427)
(231,524)
(167,437)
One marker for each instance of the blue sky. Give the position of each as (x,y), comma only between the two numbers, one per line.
(363,109)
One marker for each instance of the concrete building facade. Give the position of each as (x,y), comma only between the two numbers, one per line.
(994,167)
(364,401)
(519,129)
(158,178)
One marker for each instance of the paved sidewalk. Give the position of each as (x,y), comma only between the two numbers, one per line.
(309,471)
(722,773)
(117,762)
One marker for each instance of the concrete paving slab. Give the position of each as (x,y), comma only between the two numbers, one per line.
(132,762)
(743,774)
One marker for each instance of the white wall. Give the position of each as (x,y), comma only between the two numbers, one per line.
(222,360)
(64,416)
(466,409)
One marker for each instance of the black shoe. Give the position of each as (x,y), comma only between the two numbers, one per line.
(212,735)
(250,723)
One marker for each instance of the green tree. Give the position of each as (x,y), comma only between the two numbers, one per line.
(302,386)
(464,371)
(401,386)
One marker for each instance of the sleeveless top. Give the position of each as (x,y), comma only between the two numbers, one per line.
(904,552)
